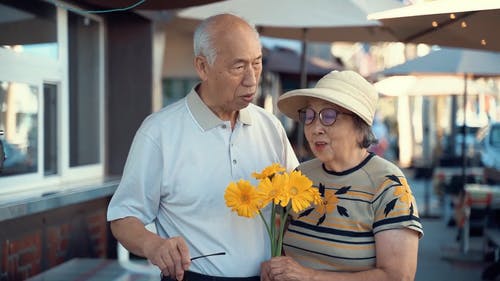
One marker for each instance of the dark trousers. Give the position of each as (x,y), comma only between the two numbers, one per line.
(193,276)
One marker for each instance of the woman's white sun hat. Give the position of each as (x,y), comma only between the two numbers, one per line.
(346,88)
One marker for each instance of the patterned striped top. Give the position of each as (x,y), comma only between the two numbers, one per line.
(339,235)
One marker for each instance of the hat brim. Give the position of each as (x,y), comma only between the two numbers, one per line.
(291,102)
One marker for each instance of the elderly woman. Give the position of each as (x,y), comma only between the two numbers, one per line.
(367,227)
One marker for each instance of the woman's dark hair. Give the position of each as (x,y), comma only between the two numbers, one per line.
(366,131)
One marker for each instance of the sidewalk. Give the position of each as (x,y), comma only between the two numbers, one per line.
(439,256)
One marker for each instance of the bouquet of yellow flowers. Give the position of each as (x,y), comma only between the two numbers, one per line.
(284,191)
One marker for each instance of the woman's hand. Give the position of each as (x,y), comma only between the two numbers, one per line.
(284,269)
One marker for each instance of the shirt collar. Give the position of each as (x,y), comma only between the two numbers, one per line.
(205,117)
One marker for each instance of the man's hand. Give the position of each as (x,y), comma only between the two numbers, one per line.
(170,255)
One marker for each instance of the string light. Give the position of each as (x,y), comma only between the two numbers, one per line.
(463,24)
(483,42)
(435,23)
(452,16)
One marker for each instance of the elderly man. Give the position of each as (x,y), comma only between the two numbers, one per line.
(184,156)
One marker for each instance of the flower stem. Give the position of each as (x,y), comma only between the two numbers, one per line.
(266,224)
(283,217)
(272,237)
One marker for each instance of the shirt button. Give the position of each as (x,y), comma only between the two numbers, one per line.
(224,126)
(234,161)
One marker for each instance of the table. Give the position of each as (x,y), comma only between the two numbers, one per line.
(89,269)
(478,196)
(483,195)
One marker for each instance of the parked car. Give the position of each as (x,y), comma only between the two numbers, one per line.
(449,172)
(472,144)
(453,152)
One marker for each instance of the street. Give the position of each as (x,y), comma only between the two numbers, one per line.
(439,256)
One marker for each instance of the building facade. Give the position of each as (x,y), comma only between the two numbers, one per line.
(74,87)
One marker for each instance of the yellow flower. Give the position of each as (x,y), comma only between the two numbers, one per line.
(328,204)
(404,192)
(299,190)
(242,197)
(269,171)
(271,190)
(293,191)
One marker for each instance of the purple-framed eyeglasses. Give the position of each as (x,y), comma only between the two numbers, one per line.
(327,116)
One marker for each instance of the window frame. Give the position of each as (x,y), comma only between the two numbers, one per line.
(37,70)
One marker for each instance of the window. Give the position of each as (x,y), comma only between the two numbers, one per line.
(28,47)
(176,88)
(50,153)
(84,96)
(51,95)
(28,26)
(18,120)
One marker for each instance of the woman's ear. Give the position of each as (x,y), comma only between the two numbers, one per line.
(201,66)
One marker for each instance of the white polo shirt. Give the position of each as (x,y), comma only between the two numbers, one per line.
(179,165)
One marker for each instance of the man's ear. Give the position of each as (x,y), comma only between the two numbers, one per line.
(201,66)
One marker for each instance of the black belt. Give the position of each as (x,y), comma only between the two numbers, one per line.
(193,276)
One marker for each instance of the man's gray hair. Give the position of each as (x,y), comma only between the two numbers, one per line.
(203,38)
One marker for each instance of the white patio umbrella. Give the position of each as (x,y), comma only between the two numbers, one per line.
(463,63)
(456,23)
(431,85)
(324,20)
(311,20)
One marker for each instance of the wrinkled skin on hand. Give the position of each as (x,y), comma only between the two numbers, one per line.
(170,255)
(284,268)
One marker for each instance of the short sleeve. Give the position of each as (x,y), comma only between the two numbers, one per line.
(139,192)
(395,206)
